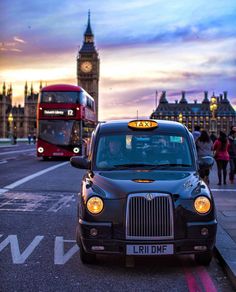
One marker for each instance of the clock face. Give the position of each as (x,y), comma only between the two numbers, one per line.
(86,67)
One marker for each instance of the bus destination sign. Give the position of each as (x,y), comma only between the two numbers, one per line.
(59,112)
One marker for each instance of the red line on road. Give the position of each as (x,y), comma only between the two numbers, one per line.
(191,281)
(206,279)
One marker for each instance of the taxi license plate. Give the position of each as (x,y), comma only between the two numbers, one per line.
(150,249)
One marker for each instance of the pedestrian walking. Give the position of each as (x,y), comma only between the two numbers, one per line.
(14,139)
(232,155)
(29,138)
(213,136)
(34,138)
(221,148)
(196,133)
(204,147)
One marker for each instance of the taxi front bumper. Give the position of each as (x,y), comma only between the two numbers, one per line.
(101,238)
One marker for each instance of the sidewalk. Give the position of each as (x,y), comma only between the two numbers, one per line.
(225,201)
(6,142)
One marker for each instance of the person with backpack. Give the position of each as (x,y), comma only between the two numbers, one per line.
(204,147)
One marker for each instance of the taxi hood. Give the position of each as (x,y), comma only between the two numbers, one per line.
(118,184)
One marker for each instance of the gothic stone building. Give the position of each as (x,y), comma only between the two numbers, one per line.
(23,118)
(191,114)
(5,109)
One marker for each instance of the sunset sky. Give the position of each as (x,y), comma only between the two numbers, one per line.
(144,47)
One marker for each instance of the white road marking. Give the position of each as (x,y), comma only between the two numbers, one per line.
(61,203)
(2,191)
(30,177)
(17,151)
(3,161)
(60,258)
(17,257)
(223,190)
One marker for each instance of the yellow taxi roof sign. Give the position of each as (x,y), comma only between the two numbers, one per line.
(143,124)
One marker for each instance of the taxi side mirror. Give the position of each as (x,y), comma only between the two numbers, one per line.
(80,162)
(206,162)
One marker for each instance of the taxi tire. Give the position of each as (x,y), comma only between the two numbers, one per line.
(85,257)
(203,259)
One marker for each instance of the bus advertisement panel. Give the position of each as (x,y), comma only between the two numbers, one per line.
(65,119)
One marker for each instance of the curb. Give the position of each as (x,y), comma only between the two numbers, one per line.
(226,252)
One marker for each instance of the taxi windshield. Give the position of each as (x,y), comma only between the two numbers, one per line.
(156,151)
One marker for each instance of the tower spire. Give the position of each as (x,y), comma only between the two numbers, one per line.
(205,100)
(163,97)
(4,88)
(183,99)
(156,99)
(88,34)
(88,31)
(26,88)
(31,89)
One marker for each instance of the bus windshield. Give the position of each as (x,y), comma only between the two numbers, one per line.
(77,97)
(148,151)
(59,132)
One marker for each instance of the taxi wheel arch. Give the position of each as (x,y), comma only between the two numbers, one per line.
(203,258)
(85,257)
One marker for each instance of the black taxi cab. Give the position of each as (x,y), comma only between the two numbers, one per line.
(142,194)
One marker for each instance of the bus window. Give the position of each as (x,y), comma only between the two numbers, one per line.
(63,97)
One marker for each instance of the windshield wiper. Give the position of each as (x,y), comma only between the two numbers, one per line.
(150,166)
(171,165)
(128,165)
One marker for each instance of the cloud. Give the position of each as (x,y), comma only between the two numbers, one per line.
(15,50)
(143,46)
(19,40)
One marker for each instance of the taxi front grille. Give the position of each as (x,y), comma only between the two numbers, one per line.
(149,216)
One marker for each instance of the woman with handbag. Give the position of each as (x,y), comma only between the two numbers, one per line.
(221,148)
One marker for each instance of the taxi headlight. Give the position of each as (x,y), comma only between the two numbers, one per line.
(40,150)
(95,205)
(202,205)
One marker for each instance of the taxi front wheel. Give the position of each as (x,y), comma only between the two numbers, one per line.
(203,258)
(86,258)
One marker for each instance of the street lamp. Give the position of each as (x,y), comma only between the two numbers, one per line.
(213,108)
(180,118)
(10,120)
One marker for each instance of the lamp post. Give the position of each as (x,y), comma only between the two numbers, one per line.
(10,120)
(213,108)
(180,118)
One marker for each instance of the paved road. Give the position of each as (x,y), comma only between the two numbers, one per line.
(37,246)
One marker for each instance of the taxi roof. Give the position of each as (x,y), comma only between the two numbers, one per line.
(115,126)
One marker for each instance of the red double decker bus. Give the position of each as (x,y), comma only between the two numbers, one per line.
(65,119)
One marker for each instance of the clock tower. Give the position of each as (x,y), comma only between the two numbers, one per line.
(88,65)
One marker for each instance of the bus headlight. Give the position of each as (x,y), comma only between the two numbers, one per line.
(202,205)
(40,150)
(76,150)
(95,205)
